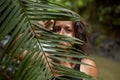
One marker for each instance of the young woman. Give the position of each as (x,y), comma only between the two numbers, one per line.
(74,29)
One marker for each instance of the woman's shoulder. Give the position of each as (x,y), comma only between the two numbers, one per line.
(90,70)
(89,61)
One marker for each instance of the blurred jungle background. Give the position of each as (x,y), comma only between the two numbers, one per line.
(103,17)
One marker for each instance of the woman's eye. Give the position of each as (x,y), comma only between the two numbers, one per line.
(69,30)
(57,29)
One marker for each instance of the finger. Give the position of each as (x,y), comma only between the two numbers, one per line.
(41,23)
(47,24)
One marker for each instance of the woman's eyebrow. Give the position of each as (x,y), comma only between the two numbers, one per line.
(68,26)
(57,26)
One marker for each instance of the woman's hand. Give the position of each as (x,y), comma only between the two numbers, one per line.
(36,32)
(46,24)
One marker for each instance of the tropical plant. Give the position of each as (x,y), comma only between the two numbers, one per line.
(18,19)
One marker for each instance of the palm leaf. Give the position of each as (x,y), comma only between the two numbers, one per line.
(18,18)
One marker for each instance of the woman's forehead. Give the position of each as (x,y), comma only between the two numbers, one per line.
(70,23)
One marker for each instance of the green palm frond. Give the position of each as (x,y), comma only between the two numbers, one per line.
(18,18)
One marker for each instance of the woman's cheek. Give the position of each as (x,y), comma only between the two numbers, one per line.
(65,44)
(70,35)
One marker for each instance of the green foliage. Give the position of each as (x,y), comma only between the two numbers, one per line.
(74,5)
(103,15)
(19,18)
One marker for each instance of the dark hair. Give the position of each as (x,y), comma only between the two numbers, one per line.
(80,28)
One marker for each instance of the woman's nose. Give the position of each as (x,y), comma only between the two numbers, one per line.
(62,32)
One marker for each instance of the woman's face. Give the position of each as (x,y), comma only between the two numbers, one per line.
(65,28)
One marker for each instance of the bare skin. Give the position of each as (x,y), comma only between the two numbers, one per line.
(66,28)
